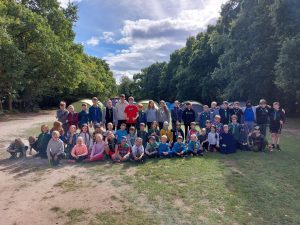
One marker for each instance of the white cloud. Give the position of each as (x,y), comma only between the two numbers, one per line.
(93,41)
(64,3)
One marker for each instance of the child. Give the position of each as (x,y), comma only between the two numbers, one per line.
(234,129)
(98,149)
(142,117)
(42,141)
(110,128)
(214,110)
(86,136)
(151,150)
(218,125)
(98,130)
(143,134)
(207,126)
(179,148)
(177,131)
(257,141)
(213,140)
(79,152)
(204,116)
(111,144)
(83,116)
(202,137)
(164,148)
(166,131)
(277,119)
(62,114)
(192,131)
(95,112)
(151,114)
(131,137)
(33,144)
(109,114)
(121,133)
(137,154)
(176,114)
(154,131)
(243,139)
(163,114)
(15,147)
(262,116)
(131,113)
(188,116)
(194,147)
(71,140)
(58,127)
(227,141)
(123,151)
(249,117)
(225,113)
(55,149)
(236,110)
(72,117)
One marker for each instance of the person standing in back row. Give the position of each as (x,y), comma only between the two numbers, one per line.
(162,114)
(236,110)
(62,114)
(262,116)
(188,116)
(131,114)
(176,114)
(225,113)
(109,114)
(120,110)
(95,112)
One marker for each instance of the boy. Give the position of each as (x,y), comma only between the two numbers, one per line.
(165,131)
(207,126)
(71,140)
(243,139)
(234,129)
(164,148)
(122,132)
(194,147)
(192,131)
(179,148)
(120,107)
(95,112)
(225,113)
(55,149)
(262,116)
(257,141)
(204,116)
(249,117)
(131,113)
(202,137)
(151,150)
(188,116)
(176,114)
(62,114)
(141,133)
(236,110)
(227,141)
(123,151)
(217,123)
(15,147)
(177,131)
(109,114)
(142,117)
(83,116)
(277,118)
(137,154)
(131,136)
(214,110)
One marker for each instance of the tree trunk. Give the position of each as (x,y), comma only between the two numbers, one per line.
(10,101)
(1,106)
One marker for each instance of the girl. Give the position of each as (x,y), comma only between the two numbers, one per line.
(55,149)
(131,137)
(151,114)
(213,139)
(166,131)
(111,144)
(203,140)
(72,117)
(86,136)
(163,114)
(152,148)
(194,147)
(79,152)
(137,154)
(122,151)
(43,140)
(98,148)
(71,139)
(154,131)
(110,128)
(192,131)
(15,147)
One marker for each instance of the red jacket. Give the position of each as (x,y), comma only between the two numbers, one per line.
(72,119)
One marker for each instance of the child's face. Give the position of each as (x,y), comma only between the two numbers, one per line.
(55,137)
(154,126)
(213,130)
(189,106)
(131,131)
(131,101)
(98,138)
(110,127)
(152,104)
(276,106)
(225,106)
(83,107)
(94,102)
(123,127)
(79,142)
(217,119)
(193,138)
(163,140)
(151,141)
(234,120)
(72,129)
(208,125)
(193,126)
(179,140)
(263,105)
(226,129)
(97,130)
(71,109)
(178,126)
(84,129)
(142,127)
(236,105)
(213,105)
(205,109)
(138,142)
(123,142)
(45,129)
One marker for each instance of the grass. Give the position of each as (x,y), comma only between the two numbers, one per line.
(75,216)
(72,183)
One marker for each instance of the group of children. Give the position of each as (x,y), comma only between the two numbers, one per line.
(126,133)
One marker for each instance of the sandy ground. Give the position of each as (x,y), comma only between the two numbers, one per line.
(32,193)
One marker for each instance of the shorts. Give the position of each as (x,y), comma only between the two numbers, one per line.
(275,128)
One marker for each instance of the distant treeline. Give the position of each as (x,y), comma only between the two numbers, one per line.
(252,52)
(39,62)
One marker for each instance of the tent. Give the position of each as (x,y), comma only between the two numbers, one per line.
(77,105)
(145,104)
(197,106)
(170,105)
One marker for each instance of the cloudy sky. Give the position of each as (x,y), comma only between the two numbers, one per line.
(132,34)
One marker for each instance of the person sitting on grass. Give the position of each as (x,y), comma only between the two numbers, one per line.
(123,151)
(55,149)
(202,138)
(192,131)
(137,152)
(194,147)
(98,129)
(110,128)
(227,141)
(111,144)
(32,144)
(98,149)
(213,140)
(79,152)
(131,137)
(151,150)
(179,148)
(71,139)
(143,134)
(166,131)
(17,147)
(257,141)
(243,138)
(154,131)
(121,132)
(164,148)
(86,136)
(42,141)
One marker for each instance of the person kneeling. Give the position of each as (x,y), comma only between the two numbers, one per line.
(79,152)
(257,141)
(179,148)
(15,147)
(137,152)
(98,148)
(227,141)
(194,147)
(123,151)
(55,149)
(164,148)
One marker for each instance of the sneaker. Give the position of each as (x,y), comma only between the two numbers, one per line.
(278,148)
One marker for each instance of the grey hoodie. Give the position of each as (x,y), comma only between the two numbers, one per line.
(55,147)
(163,116)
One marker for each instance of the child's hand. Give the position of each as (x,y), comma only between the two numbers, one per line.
(281,122)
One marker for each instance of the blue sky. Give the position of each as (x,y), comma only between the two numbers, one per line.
(133,34)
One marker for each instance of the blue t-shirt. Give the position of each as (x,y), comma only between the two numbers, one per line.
(120,134)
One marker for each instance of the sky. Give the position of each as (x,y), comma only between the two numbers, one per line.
(132,34)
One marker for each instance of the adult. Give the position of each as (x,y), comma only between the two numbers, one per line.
(131,113)
(109,114)
(236,110)
(72,117)
(176,114)
(162,114)
(120,108)
(62,114)
(151,113)
(95,112)
(214,110)
(262,116)
(188,116)
(225,113)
